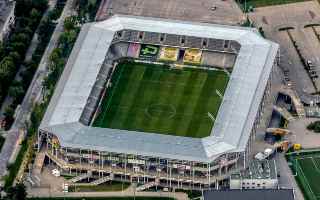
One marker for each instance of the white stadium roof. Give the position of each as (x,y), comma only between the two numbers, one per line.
(236,114)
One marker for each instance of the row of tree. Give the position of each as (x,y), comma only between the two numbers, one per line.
(12,51)
(60,54)
(18,89)
(58,59)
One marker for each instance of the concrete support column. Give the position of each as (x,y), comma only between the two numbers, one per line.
(193,174)
(167,172)
(170,183)
(209,174)
(47,143)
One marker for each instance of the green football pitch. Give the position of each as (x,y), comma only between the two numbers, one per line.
(306,169)
(155,98)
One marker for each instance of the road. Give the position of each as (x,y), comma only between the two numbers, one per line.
(33,94)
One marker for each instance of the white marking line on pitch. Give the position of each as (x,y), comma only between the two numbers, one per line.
(306,180)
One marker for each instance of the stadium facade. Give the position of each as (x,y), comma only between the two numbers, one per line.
(68,139)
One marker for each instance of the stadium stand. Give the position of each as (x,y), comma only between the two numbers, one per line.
(172,40)
(177,40)
(114,53)
(235,46)
(215,45)
(193,42)
(151,37)
(134,36)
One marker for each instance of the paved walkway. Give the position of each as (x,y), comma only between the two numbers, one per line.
(308,139)
(127,193)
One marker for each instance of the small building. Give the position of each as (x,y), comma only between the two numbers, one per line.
(7,17)
(259,175)
(271,194)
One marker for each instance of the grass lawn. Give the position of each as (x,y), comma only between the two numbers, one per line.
(103,198)
(262,3)
(67,176)
(307,168)
(154,98)
(106,187)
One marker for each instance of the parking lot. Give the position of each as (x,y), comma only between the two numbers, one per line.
(223,12)
(296,16)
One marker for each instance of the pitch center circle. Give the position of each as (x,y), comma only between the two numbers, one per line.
(160,110)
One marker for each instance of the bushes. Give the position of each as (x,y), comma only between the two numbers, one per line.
(14,168)
(314,126)
(60,54)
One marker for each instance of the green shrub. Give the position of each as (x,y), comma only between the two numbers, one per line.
(314,126)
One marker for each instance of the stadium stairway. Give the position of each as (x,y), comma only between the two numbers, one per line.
(295,99)
(38,164)
(146,186)
(81,177)
(284,113)
(101,180)
(62,164)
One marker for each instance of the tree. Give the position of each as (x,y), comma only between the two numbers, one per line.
(56,55)
(1,50)
(67,40)
(36,115)
(6,68)
(70,23)
(9,112)
(54,14)
(41,5)
(34,18)
(44,28)
(17,193)
(27,30)
(20,37)
(35,14)
(16,91)
(19,47)
(22,6)
(15,57)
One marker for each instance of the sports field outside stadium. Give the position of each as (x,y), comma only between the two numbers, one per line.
(306,169)
(155,98)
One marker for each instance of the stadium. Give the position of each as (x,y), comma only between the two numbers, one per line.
(159,102)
